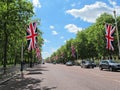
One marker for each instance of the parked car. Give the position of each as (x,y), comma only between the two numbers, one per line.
(109,64)
(87,64)
(69,63)
(54,62)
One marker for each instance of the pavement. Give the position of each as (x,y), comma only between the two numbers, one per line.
(25,80)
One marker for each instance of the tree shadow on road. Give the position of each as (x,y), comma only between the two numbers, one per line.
(19,83)
(34,72)
(36,69)
(111,71)
(47,88)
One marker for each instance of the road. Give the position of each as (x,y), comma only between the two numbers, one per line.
(75,78)
(62,77)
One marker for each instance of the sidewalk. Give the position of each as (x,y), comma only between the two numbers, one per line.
(30,80)
(11,72)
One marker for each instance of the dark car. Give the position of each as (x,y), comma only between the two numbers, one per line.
(69,63)
(87,64)
(109,64)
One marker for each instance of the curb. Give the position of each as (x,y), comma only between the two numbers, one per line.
(7,79)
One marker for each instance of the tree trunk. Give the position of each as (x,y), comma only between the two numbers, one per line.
(5,52)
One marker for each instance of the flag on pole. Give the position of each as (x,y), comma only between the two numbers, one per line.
(73,51)
(62,55)
(38,53)
(109,36)
(31,35)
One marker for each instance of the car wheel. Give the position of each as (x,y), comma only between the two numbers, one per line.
(91,67)
(100,68)
(110,68)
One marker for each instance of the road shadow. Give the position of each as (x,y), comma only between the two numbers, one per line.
(18,83)
(34,72)
(36,69)
(110,71)
(47,88)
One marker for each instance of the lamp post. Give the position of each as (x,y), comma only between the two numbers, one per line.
(117,31)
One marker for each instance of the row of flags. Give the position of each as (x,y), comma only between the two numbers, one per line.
(32,39)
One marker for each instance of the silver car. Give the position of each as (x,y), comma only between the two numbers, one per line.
(109,64)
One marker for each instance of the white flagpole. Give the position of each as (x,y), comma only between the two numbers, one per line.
(117,31)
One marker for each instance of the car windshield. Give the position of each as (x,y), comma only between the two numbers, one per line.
(111,61)
(88,62)
(69,62)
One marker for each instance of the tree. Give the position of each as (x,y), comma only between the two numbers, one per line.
(14,15)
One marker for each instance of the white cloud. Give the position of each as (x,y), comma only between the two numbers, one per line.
(65,41)
(73,4)
(48,54)
(45,55)
(61,37)
(45,40)
(72,28)
(112,3)
(52,27)
(36,3)
(89,13)
(54,32)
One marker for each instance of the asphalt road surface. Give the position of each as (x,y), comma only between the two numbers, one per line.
(75,78)
(62,77)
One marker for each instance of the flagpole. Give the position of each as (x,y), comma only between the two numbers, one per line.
(22,60)
(117,31)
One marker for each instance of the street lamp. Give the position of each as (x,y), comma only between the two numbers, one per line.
(117,31)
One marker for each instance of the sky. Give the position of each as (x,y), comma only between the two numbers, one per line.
(62,19)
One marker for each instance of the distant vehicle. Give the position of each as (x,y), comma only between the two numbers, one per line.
(43,62)
(109,64)
(69,63)
(87,64)
(54,62)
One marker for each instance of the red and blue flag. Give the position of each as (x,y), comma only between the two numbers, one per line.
(32,35)
(109,36)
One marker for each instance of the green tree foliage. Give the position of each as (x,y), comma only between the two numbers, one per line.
(15,15)
(91,42)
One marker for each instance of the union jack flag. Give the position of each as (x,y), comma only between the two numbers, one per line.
(62,54)
(109,36)
(38,54)
(73,51)
(31,35)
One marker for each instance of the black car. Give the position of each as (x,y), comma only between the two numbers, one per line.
(109,64)
(87,64)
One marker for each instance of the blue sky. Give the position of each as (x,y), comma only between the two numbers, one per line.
(61,19)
